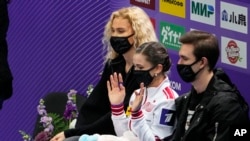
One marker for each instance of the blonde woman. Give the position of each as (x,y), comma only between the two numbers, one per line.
(126,30)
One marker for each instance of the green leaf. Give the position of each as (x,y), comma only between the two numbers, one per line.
(59,123)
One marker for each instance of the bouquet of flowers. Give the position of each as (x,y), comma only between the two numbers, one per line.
(53,123)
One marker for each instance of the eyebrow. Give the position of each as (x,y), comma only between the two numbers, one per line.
(119,28)
(138,65)
(183,56)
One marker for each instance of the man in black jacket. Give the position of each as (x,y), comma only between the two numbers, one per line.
(5,73)
(214,108)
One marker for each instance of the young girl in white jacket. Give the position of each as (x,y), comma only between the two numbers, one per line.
(151,112)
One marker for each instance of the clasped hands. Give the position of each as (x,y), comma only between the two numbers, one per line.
(117,92)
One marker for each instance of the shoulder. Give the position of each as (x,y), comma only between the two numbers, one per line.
(114,63)
(223,93)
(226,107)
(226,104)
(118,60)
(182,101)
(228,98)
(167,90)
(183,97)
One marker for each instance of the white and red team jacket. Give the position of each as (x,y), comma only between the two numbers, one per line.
(156,118)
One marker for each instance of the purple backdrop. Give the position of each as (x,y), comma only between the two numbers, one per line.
(56,45)
(53,46)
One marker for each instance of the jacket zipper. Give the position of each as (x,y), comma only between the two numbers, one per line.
(197,108)
(216,130)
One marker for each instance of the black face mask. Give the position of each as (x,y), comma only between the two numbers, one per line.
(186,72)
(120,44)
(143,76)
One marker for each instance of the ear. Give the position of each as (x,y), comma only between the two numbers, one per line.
(158,69)
(204,62)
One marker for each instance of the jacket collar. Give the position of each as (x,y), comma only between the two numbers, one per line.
(219,82)
(117,60)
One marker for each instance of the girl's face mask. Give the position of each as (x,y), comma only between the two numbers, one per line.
(143,76)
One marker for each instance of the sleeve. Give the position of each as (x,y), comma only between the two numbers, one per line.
(5,72)
(95,114)
(156,125)
(102,126)
(120,120)
(226,116)
(4,19)
(140,127)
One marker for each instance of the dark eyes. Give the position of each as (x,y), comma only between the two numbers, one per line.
(139,68)
(118,31)
(183,58)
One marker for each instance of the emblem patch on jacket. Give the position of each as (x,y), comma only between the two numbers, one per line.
(167,117)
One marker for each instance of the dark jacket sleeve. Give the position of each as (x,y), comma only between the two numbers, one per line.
(95,114)
(227,115)
(5,73)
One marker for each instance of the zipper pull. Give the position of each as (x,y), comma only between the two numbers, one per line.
(216,130)
(198,107)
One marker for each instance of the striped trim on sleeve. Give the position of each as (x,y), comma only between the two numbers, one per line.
(117,109)
(136,114)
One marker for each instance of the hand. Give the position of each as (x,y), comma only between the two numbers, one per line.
(138,98)
(59,137)
(116,90)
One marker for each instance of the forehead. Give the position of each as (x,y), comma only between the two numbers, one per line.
(119,22)
(186,50)
(140,59)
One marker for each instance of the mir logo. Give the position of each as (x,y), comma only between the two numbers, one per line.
(202,9)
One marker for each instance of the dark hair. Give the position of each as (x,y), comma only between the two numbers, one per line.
(156,54)
(205,45)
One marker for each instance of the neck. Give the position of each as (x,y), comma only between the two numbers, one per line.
(157,80)
(203,80)
(128,56)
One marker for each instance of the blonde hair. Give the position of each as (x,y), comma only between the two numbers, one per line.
(141,25)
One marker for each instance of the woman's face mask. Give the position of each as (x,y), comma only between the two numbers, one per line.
(120,44)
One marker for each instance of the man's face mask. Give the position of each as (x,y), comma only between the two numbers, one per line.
(120,44)
(143,76)
(186,72)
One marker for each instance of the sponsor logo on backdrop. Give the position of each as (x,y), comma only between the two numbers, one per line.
(173,7)
(144,3)
(234,17)
(234,52)
(170,34)
(175,85)
(203,11)
(153,21)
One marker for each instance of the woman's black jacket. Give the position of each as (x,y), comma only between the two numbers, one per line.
(95,114)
